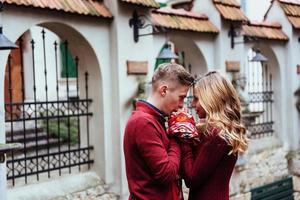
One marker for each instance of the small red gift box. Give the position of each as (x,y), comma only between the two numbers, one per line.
(182,125)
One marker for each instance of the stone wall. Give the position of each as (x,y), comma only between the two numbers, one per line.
(262,168)
(294,168)
(98,192)
(257,169)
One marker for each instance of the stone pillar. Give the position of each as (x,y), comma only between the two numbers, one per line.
(3,58)
(294,168)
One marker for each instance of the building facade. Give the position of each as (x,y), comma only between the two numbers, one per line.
(110,63)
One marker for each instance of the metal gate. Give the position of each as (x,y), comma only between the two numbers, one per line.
(54,130)
(260,90)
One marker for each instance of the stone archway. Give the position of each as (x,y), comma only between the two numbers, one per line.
(191,57)
(264,81)
(91,128)
(194,58)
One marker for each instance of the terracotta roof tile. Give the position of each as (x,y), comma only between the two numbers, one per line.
(82,7)
(231,13)
(295,21)
(179,20)
(266,24)
(291,1)
(269,31)
(227,2)
(181,12)
(147,3)
(230,10)
(90,6)
(291,8)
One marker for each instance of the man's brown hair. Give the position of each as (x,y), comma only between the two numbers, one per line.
(172,72)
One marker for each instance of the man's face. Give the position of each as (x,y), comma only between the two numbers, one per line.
(174,98)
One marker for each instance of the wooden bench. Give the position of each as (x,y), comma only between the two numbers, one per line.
(278,190)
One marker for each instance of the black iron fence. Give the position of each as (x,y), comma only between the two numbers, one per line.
(54,131)
(261,100)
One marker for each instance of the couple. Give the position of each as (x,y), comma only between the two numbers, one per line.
(157,159)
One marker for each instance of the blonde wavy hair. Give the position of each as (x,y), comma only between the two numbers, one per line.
(220,101)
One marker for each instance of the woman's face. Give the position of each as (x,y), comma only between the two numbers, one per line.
(196,105)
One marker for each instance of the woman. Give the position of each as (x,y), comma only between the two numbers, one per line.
(208,166)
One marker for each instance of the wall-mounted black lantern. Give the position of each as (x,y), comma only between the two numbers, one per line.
(138,22)
(5,44)
(167,54)
(233,33)
(259,57)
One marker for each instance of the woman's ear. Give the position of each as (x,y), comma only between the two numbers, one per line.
(163,90)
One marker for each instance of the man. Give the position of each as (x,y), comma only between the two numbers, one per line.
(152,158)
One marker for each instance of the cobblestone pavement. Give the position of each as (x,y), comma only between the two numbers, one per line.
(98,192)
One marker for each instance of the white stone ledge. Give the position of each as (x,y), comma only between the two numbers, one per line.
(262,144)
(54,188)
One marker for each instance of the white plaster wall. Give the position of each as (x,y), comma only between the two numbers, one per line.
(3,54)
(295,84)
(222,49)
(255,9)
(3,61)
(207,48)
(276,65)
(227,53)
(208,8)
(124,48)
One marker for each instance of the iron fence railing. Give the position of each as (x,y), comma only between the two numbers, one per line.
(54,132)
(261,98)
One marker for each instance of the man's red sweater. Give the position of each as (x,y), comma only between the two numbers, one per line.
(152,159)
(207,168)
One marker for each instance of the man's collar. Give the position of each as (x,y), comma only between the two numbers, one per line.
(155,108)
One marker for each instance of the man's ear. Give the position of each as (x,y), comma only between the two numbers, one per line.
(163,90)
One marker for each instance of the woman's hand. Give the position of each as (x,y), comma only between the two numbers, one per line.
(182,125)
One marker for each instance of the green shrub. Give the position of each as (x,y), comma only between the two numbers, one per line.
(62,132)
